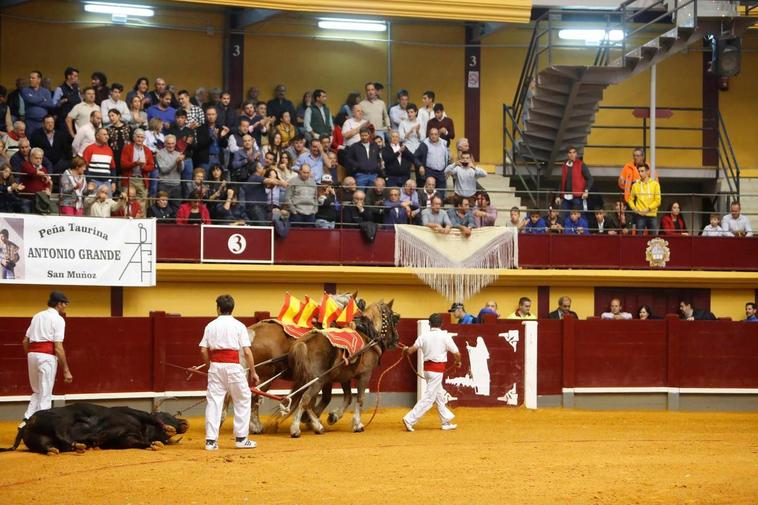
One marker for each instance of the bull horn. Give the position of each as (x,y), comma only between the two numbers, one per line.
(157,406)
(175,439)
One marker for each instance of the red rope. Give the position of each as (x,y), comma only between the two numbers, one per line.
(379,388)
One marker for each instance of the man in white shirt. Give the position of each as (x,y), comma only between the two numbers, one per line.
(43,344)
(426,112)
(80,114)
(435,344)
(616,312)
(351,128)
(85,136)
(222,341)
(398,112)
(735,223)
(115,102)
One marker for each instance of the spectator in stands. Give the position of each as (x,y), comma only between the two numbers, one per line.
(516,221)
(140,90)
(409,129)
(195,113)
(314,158)
(54,143)
(364,160)
(490,308)
(673,222)
(375,111)
(398,161)
(6,122)
(211,139)
(137,116)
(750,312)
(645,200)
(426,193)
(622,217)
(248,112)
(85,136)
(397,211)
(284,167)
(161,209)
(73,189)
(256,198)
(38,102)
(133,208)
(163,110)
(22,156)
(615,311)
(232,211)
(646,313)
(36,177)
(351,100)
(196,184)
(485,214)
(155,139)
(576,182)
(375,197)
(630,172)
(442,123)
(714,229)
(66,96)
(227,115)
(137,165)
(252,94)
(236,134)
(193,212)
(286,129)
(535,225)
(426,112)
(169,163)
(328,205)
(16,101)
(465,174)
(100,85)
(101,163)
(302,108)
(604,225)
(185,143)
(459,312)
(736,223)
(575,224)
(399,111)
(155,96)
(217,186)
(261,123)
(356,212)
(297,148)
(301,198)
(409,194)
(317,120)
(115,102)
(461,216)
(523,311)
(4,157)
(274,146)
(101,204)
(14,137)
(275,189)
(278,105)
(432,157)
(81,113)
(435,217)
(564,309)
(10,200)
(690,313)
(119,135)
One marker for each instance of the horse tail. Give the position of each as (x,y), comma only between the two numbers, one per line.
(19,436)
(298,363)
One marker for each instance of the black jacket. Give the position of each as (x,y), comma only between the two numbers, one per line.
(701,315)
(352,217)
(395,168)
(360,162)
(60,150)
(556,314)
(201,154)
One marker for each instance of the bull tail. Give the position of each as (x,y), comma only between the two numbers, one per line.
(19,437)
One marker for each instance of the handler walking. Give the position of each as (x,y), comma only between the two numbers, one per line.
(435,345)
(43,344)
(222,341)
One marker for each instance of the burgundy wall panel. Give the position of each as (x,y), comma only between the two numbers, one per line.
(591,251)
(549,357)
(662,301)
(178,242)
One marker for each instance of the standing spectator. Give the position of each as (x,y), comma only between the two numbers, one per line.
(256,198)
(297,148)
(155,96)
(185,144)
(364,160)
(232,211)
(485,214)
(10,200)
(193,212)
(409,129)
(459,312)
(645,200)
(328,205)
(523,311)
(315,159)
(461,216)
(245,163)
(74,188)
(217,186)
(100,85)
(211,139)
(279,104)
(137,117)
(16,100)
(442,123)
(398,161)
(6,121)
(535,225)
(435,217)
(163,110)
(616,311)
(575,224)
(161,209)
(351,128)
(735,223)
(630,172)
(432,157)
(170,163)
(81,113)
(38,102)
(114,102)
(85,136)
(227,115)
(673,222)
(465,174)
(714,229)
(399,111)
(284,167)
(155,139)
(195,114)
(248,112)
(564,309)
(140,90)
(576,182)
(274,146)
(301,198)
(352,100)
(750,312)
(689,313)
(66,96)
(286,129)
(102,205)
(99,157)
(397,211)
(137,165)
(426,112)
(54,143)
(119,135)
(375,111)
(236,135)
(317,121)
(252,94)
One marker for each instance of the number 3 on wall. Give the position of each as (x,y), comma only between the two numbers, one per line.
(236,50)
(473,63)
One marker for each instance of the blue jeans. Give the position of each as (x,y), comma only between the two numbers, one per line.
(577,203)
(303,220)
(647,222)
(152,184)
(439,176)
(395,181)
(187,173)
(324,224)
(364,180)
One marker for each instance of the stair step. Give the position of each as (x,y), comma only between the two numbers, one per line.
(542,122)
(549,98)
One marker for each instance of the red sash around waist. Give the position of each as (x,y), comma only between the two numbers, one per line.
(434,366)
(43,347)
(225,355)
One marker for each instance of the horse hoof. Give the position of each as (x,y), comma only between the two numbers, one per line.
(319,430)
(156,446)
(359,429)
(79,448)
(295,435)
(332,419)
(53,451)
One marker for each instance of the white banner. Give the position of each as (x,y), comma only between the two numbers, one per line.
(85,251)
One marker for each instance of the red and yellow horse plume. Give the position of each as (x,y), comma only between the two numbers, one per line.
(290,309)
(328,311)
(304,318)
(348,313)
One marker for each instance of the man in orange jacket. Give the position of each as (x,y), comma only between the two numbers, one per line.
(630,172)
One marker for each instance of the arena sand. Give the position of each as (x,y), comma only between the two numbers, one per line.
(495,456)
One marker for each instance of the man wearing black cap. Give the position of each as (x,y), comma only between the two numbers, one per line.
(460,314)
(43,344)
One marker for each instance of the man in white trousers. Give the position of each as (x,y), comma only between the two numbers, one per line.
(43,344)
(435,345)
(222,341)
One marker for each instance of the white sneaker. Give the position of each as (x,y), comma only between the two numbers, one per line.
(245,444)
(449,426)
(212,446)
(408,426)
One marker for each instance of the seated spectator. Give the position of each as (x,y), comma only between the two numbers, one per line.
(624,220)
(673,222)
(170,163)
(35,176)
(409,193)
(232,211)
(328,205)
(396,211)
(516,221)
(435,217)
(348,189)
(85,135)
(197,184)
(536,224)
(736,223)
(646,313)
(356,212)
(4,157)
(54,143)
(465,174)
(490,308)
(375,197)
(193,212)
(10,199)
(73,189)
(284,167)
(274,146)
(363,160)
(645,200)
(564,309)
(690,313)
(132,207)
(604,225)
(236,135)
(615,311)
(750,312)
(485,214)
(714,229)
(13,137)
(154,137)
(162,209)
(101,204)
(442,123)
(245,163)
(428,192)
(461,216)
(523,311)
(398,161)
(301,198)
(459,312)
(575,224)
(297,148)
(314,158)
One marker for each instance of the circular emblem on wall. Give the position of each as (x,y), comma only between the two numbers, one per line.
(236,244)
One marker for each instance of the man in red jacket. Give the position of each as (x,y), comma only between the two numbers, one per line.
(576,182)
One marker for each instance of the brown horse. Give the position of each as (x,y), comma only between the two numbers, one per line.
(314,356)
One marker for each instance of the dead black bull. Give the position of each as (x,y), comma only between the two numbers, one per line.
(83,426)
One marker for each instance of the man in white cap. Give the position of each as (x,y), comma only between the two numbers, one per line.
(435,344)
(43,344)
(222,341)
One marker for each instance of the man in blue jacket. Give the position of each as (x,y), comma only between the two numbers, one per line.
(37,103)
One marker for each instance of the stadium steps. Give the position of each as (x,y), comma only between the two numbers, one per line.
(749,199)
(502,195)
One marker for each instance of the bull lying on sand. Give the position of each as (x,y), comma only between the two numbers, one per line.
(84,426)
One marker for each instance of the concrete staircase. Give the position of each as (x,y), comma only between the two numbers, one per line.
(749,204)
(502,195)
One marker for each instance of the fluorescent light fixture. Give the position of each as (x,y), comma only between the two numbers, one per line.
(591,37)
(119,11)
(352,25)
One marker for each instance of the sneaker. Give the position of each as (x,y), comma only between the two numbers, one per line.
(408,426)
(211,446)
(245,444)
(449,426)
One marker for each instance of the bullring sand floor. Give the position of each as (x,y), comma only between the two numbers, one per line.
(495,456)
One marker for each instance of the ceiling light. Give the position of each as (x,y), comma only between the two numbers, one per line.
(591,37)
(359,25)
(119,11)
